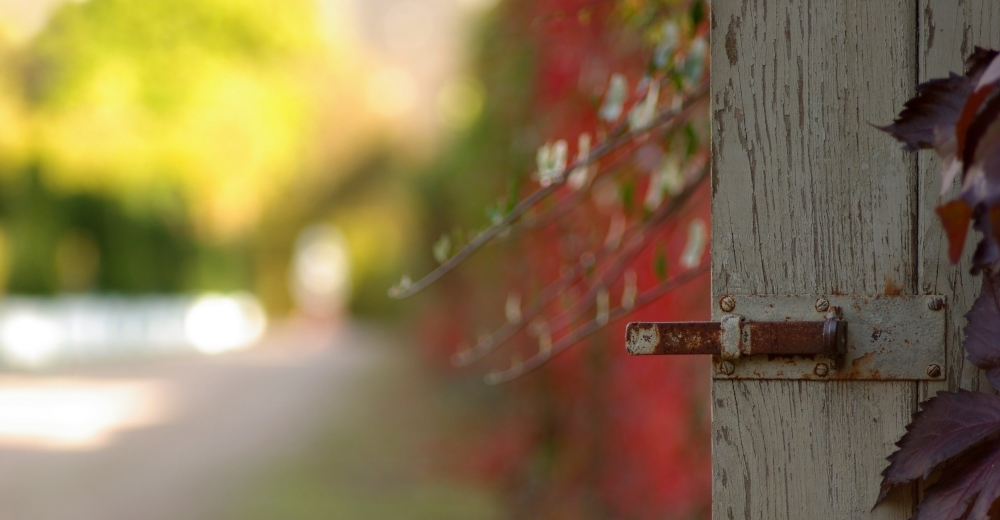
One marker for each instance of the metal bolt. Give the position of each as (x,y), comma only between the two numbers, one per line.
(727,304)
(727,367)
(822,305)
(933,370)
(936,303)
(821,370)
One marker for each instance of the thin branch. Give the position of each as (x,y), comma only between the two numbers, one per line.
(567,204)
(636,245)
(564,206)
(538,195)
(537,306)
(591,327)
(490,343)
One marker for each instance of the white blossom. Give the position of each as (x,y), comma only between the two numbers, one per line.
(614,98)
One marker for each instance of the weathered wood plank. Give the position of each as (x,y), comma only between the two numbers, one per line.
(799,449)
(949,30)
(810,199)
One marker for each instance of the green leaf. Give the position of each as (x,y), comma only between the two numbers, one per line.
(495,213)
(691,138)
(660,262)
(513,188)
(627,193)
(694,64)
(697,12)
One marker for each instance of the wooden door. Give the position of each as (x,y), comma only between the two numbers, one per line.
(809,199)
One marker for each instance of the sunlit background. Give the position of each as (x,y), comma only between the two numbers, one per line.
(182,180)
(203,204)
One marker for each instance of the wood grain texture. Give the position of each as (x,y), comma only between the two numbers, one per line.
(808,198)
(802,449)
(949,31)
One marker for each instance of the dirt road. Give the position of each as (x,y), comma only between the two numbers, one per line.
(190,437)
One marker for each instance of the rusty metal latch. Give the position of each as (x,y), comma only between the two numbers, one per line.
(735,337)
(810,337)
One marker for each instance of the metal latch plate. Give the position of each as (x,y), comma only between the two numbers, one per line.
(888,338)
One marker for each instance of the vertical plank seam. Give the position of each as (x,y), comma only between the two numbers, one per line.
(747,495)
(915,227)
(915,168)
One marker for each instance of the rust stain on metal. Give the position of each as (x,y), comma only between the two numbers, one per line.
(674,338)
(787,338)
(891,336)
(861,365)
(784,338)
(891,289)
(640,339)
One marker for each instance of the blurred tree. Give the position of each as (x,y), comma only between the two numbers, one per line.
(137,98)
(149,140)
(80,242)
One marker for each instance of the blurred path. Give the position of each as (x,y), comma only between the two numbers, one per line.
(216,421)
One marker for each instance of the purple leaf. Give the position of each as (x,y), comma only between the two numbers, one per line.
(956,436)
(977,140)
(982,334)
(947,425)
(986,220)
(978,133)
(927,119)
(972,481)
(959,117)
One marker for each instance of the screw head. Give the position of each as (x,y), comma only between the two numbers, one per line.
(821,370)
(727,367)
(727,304)
(822,305)
(936,303)
(934,370)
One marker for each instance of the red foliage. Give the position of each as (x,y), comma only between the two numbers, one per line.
(594,433)
(658,438)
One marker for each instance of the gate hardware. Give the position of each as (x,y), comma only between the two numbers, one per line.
(791,337)
(735,337)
